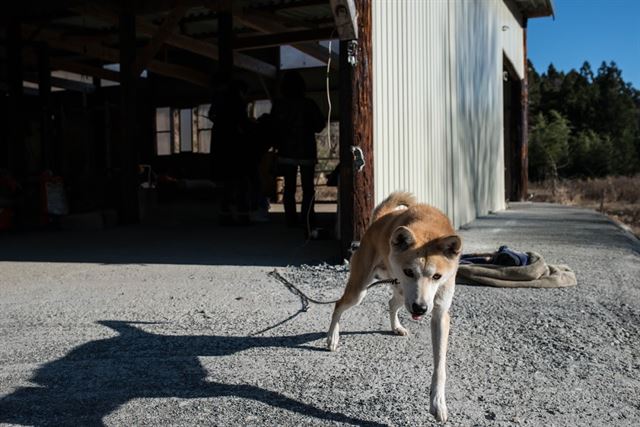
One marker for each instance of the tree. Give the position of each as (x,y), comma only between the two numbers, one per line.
(548,145)
(602,114)
(589,155)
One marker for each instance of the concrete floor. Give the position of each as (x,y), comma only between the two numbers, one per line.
(160,326)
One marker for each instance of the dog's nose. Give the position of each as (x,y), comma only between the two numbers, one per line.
(418,309)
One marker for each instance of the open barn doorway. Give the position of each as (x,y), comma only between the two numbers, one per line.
(111,110)
(512,130)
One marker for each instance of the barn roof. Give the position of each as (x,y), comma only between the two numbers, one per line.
(535,8)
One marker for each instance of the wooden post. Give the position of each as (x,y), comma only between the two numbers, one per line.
(17,160)
(127,150)
(346,158)
(524,147)
(225,45)
(44,93)
(362,119)
(356,130)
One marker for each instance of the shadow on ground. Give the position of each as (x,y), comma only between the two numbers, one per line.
(96,378)
(202,243)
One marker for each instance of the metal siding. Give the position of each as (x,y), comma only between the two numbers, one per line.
(512,38)
(438,103)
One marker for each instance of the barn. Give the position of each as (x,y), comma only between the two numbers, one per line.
(105,104)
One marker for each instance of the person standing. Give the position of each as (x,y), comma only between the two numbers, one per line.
(297,120)
(229,147)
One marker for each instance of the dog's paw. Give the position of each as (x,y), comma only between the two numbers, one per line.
(400,330)
(332,341)
(438,408)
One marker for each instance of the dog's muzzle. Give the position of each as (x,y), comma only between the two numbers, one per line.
(417,311)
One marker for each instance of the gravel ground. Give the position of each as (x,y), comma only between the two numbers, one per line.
(89,338)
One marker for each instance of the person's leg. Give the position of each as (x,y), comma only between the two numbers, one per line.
(290,173)
(307,173)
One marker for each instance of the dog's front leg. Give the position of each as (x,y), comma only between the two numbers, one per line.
(395,303)
(439,339)
(360,276)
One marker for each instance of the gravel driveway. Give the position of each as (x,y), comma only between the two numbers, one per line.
(99,339)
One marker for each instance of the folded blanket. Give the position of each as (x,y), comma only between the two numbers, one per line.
(536,274)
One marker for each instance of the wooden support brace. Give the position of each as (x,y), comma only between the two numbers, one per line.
(162,34)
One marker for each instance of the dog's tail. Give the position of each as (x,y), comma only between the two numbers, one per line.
(391,203)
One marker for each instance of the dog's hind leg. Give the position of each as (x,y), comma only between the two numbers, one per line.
(355,291)
(395,303)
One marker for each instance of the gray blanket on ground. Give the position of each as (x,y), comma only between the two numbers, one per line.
(537,274)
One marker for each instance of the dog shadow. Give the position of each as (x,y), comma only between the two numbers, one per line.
(96,378)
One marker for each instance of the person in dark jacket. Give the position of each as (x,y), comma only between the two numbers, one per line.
(230,140)
(297,120)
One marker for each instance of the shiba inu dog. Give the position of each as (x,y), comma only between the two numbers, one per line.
(417,245)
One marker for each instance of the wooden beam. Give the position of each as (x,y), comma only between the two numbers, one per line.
(270,26)
(108,54)
(145,7)
(291,5)
(345,17)
(267,21)
(88,70)
(180,41)
(162,34)
(256,42)
(524,108)
(59,82)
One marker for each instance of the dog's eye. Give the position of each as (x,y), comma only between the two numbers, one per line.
(437,276)
(408,272)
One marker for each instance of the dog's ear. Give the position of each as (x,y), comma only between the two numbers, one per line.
(402,239)
(450,245)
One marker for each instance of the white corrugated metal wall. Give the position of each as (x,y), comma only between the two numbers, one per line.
(437,92)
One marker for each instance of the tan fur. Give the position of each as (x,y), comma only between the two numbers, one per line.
(414,245)
(399,198)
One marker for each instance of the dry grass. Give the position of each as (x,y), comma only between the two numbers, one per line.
(618,197)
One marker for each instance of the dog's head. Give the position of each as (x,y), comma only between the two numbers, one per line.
(422,264)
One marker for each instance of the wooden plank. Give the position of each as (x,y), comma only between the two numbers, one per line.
(162,34)
(255,42)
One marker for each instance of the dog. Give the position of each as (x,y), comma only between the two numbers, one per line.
(417,245)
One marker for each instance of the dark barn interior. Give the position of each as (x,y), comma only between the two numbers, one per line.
(105,107)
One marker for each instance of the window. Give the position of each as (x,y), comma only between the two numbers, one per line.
(163,131)
(183,130)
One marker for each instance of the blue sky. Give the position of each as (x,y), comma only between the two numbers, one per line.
(592,30)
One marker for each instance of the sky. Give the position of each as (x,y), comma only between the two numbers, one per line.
(591,30)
